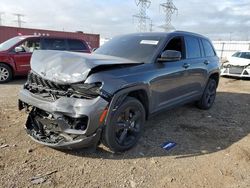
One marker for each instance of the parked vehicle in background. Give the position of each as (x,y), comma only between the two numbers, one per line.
(238,65)
(76,100)
(15,53)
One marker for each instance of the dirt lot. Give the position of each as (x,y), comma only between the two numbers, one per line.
(213,149)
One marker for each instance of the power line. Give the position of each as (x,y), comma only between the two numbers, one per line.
(19,19)
(169,9)
(142,15)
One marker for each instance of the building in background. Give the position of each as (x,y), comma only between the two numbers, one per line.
(8,32)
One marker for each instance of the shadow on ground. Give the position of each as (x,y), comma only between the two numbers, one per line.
(195,131)
(18,80)
(235,78)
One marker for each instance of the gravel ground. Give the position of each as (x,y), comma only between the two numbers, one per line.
(213,149)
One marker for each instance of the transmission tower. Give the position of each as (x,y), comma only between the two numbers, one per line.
(1,19)
(142,15)
(19,19)
(169,9)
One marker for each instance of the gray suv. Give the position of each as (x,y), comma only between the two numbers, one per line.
(77,100)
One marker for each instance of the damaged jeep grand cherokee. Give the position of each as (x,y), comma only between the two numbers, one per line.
(78,100)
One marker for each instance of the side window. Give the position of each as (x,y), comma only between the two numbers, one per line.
(245,55)
(192,47)
(209,51)
(176,44)
(54,44)
(76,45)
(30,45)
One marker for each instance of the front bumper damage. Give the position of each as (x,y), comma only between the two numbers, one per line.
(66,123)
(236,71)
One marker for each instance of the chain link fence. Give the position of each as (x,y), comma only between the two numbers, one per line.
(226,49)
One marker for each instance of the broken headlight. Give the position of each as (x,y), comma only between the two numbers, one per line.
(85,89)
(91,91)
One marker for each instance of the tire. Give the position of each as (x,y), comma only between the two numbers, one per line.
(5,73)
(125,127)
(209,95)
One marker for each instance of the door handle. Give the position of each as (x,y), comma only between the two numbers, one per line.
(206,62)
(186,65)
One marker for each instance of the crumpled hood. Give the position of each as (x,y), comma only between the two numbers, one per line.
(235,61)
(70,67)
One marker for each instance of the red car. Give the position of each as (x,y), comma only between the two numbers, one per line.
(16,52)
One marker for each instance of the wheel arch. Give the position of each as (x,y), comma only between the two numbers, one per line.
(140,92)
(215,76)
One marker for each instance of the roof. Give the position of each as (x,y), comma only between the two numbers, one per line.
(165,34)
(41,36)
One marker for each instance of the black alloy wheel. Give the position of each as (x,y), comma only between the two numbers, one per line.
(209,95)
(126,126)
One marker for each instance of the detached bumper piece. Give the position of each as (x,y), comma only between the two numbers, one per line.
(236,71)
(60,132)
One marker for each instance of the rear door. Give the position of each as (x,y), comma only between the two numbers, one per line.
(196,66)
(22,58)
(77,46)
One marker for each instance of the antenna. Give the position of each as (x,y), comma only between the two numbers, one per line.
(169,9)
(142,15)
(19,19)
(1,19)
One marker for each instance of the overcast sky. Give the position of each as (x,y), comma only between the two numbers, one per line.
(218,19)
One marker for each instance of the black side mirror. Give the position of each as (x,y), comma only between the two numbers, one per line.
(170,55)
(94,49)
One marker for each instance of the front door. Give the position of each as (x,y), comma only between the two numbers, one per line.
(169,87)
(23,56)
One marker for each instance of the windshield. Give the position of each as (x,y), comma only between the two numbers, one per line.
(137,48)
(9,43)
(245,55)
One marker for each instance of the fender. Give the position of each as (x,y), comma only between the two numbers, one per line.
(120,96)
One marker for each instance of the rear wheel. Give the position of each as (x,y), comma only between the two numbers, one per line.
(126,126)
(5,73)
(208,97)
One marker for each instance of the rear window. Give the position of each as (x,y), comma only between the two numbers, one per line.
(76,45)
(54,44)
(193,47)
(209,51)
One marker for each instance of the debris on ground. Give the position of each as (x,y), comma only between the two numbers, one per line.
(168,145)
(39,179)
(29,150)
(4,146)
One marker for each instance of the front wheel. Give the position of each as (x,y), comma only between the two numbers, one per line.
(208,97)
(5,73)
(126,126)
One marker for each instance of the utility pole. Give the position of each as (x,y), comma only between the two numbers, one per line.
(19,19)
(142,15)
(151,25)
(169,9)
(1,18)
